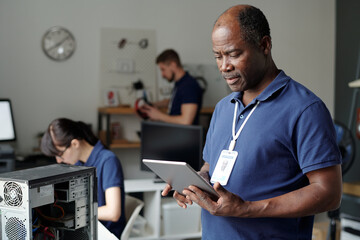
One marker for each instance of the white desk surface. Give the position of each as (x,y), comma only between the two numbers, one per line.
(142,185)
(104,233)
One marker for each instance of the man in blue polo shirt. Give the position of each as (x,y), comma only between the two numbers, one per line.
(270,150)
(186,100)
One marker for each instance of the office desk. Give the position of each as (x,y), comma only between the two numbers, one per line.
(152,200)
(152,208)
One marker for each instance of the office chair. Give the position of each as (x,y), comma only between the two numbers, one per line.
(133,207)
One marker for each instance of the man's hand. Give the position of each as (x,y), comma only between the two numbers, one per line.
(228,204)
(166,190)
(182,201)
(152,112)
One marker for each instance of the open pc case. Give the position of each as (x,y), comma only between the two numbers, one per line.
(50,202)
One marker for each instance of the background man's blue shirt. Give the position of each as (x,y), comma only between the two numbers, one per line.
(186,90)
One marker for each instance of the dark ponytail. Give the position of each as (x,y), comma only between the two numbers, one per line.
(87,134)
(61,132)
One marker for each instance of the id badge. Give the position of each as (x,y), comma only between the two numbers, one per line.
(224,167)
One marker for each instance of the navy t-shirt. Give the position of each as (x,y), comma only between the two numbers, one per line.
(186,90)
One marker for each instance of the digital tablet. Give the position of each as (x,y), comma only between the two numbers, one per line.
(179,175)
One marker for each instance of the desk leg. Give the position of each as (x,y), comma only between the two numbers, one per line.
(152,212)
(99,123)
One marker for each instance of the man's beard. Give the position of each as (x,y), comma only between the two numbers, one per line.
(172,78)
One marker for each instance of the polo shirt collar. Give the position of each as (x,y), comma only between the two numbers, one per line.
(94,154)
(278,83)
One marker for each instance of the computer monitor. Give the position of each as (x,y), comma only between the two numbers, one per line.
(7,126)
(173,142)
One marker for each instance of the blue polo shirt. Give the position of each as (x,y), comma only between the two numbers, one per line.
(289,134)
(186,90)
(109,174)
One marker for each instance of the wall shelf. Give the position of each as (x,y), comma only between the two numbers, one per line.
(123,143)
(107,112)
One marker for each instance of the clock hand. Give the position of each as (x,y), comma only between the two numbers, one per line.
(59,43)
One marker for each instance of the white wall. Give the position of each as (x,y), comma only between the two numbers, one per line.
(303,34)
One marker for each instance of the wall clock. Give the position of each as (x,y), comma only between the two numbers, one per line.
(58,43)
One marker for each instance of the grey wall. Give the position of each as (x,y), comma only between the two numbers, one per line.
(347,58)
(303,34)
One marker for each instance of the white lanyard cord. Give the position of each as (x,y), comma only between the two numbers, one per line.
(235,136)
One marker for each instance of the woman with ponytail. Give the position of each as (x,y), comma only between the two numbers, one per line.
(74,143)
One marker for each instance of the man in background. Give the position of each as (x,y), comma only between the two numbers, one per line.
(186,99)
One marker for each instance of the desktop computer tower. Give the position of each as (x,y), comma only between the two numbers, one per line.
(50,202)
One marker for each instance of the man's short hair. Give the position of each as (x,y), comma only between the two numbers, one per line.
(169,55)
(253,24)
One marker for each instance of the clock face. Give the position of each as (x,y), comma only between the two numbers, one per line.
(58,43)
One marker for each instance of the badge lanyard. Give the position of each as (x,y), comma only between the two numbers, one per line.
(227,158)
(235,136)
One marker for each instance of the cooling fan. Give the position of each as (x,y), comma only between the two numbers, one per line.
(15,228)
(346,143)
(13,195)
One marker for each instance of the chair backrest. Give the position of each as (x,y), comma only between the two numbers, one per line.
(133,207)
